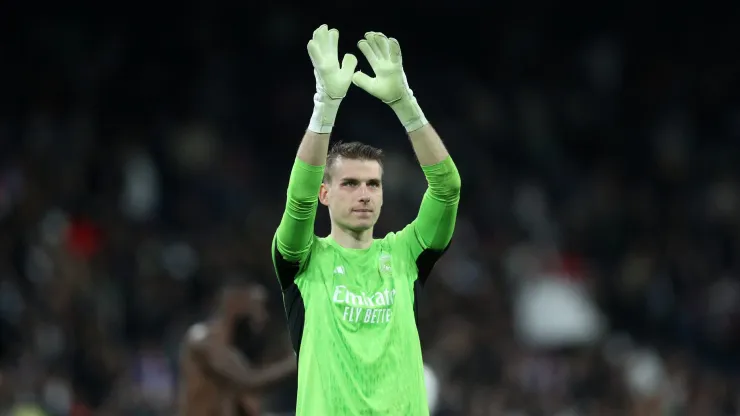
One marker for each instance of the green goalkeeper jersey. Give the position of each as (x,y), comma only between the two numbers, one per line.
(352,312)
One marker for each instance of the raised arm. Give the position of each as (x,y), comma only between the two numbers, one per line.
(435,223)
(294,236)
(228,364)
(430,233)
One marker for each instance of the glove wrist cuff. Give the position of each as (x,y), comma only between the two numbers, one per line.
(324,113)
(409,113)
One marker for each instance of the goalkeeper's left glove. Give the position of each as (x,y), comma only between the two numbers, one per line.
(389,84)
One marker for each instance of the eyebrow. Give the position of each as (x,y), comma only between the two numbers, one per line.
(349,178)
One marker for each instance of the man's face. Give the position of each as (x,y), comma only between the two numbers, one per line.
(355,193)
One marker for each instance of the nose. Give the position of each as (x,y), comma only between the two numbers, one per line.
(364,194)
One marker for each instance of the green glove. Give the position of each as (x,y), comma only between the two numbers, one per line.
(332,81)
(389,84)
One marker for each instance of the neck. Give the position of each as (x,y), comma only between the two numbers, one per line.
(352,239)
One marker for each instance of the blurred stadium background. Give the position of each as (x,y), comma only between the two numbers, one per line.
(144,158)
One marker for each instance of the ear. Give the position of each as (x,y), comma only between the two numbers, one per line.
(324,194)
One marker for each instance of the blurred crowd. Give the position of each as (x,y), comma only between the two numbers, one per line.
(594,269)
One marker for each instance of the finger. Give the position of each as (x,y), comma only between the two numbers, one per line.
(363,81)
(314,52)
(349,63)
(321,34)
(333,43)
(367,50)
(395,50)
(381,41)
(372,41)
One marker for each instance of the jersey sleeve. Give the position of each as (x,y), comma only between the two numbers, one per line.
(429,235)
(291,246)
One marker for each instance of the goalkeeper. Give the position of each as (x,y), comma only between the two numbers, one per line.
(350,299)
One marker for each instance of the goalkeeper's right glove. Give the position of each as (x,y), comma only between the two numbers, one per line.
(332,81)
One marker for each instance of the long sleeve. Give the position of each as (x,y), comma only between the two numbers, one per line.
(427,237)
(435,222)
(295,233)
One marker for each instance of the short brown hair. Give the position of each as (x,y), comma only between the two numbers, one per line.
(351,150)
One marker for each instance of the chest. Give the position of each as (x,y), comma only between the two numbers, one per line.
(369,293)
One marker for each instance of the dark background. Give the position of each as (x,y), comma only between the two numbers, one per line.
(145,152)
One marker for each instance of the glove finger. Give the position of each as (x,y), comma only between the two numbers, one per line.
(321,35)
(367,50)
(381,41)
(349,63)
(333,44)
(395,50)
(363,81)
(314,53)
(371,38)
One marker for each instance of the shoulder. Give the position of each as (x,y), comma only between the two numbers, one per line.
(389,238)
(321,243)
(197,334)
(397,238)
(393,242)
(321,249)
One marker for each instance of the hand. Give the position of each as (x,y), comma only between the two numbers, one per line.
(389,85)
(332,80)
(384,57)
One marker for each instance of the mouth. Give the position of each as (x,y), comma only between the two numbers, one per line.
(363,211)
